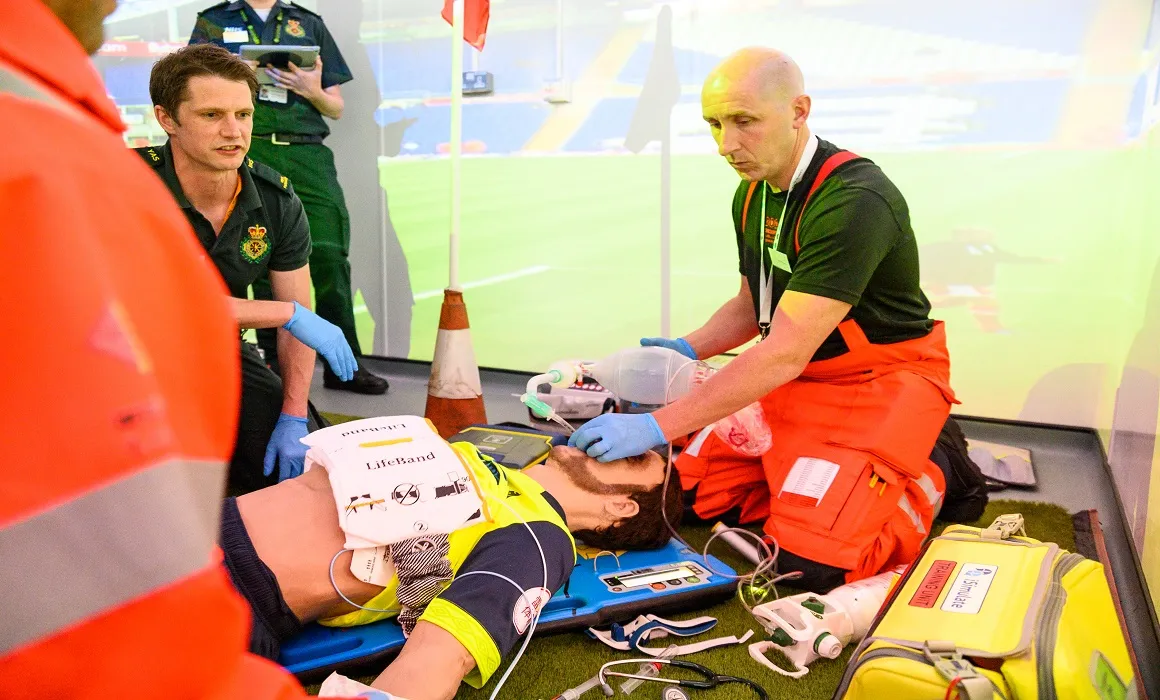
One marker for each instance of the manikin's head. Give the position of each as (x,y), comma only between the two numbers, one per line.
(756,107)
(614,505)
(84,18)
(203,97)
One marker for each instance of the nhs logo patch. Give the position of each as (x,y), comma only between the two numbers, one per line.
(969,589)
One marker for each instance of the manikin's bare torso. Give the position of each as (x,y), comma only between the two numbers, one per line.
(294,528)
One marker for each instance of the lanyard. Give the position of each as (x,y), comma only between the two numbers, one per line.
(254,35)
(765,313)
(777,258)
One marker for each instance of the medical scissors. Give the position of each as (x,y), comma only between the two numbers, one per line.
(711,679)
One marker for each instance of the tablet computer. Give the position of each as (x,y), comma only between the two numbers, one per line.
(278,56)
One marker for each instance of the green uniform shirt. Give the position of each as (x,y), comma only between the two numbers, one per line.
(267,229)
(289,24)
(857,246)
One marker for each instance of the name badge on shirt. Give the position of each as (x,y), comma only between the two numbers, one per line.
(235,35)
(272,93)
(779,260)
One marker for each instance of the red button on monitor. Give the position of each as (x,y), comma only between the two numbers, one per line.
(658,586)
(617,589)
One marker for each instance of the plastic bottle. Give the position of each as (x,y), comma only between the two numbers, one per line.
(646,375)
(807,626)
(657,376)
(861,600)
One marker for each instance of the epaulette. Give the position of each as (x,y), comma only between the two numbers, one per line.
(152,155)
(220,5)
(303,9)
(270,175)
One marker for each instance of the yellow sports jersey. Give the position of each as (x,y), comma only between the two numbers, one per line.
(484,612)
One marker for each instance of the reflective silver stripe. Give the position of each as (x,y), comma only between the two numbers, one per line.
(15,83)
(693,449)
(933,495)
(107,547)
(904,505)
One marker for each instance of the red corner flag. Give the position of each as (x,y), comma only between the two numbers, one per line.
(475,14)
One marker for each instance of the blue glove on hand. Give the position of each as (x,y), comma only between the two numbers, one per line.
(285,448)
(679,344)
(325,338)
(618,435)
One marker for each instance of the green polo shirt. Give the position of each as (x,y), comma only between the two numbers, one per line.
(267,229)
(287,24)
(857,246)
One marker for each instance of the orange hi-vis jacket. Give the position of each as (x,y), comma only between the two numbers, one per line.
(119,396)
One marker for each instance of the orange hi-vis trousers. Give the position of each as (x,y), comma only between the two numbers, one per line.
(848,481)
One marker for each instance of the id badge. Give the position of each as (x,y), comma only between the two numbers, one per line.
(273,93)
(234,35)
(779,260)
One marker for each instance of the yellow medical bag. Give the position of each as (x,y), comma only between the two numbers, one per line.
(998,616)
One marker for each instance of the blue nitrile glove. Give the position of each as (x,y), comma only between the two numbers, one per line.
(325,338)
(679,344)
(286,448)
(618,435)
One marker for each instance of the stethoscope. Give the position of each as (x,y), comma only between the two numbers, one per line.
(711,679)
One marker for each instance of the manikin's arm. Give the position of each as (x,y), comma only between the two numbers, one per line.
(430,667)
(730,326)
(800,324)
(296,359)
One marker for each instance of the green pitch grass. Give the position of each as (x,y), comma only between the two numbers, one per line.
(560,255)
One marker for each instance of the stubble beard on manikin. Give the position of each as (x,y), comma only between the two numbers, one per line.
(576,468)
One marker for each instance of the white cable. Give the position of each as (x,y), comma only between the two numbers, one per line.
(538,611)
(769,564)
(342,595)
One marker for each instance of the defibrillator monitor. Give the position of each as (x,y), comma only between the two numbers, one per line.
(278,56)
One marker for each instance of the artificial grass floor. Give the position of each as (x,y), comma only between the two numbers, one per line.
(554,663)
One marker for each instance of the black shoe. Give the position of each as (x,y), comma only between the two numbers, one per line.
(363,382)
(967,491)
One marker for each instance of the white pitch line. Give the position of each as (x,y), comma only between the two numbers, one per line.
(527,271)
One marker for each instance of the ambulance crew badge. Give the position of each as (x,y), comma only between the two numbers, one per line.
(293,28)
(255,248)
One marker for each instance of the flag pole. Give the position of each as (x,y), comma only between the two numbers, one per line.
(665,24)
(456,140)
(454,391)
(666,226)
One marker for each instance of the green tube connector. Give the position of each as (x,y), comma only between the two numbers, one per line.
(537,407)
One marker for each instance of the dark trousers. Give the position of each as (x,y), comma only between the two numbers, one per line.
(260,407)
(310,167)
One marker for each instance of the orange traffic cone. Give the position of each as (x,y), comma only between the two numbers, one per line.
(454,393)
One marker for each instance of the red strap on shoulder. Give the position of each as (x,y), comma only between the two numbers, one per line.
(745,209)
(839,158)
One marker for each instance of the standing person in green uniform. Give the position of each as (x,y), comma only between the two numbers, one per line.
(251,225)
(288,136)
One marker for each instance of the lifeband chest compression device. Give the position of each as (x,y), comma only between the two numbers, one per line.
(394,480)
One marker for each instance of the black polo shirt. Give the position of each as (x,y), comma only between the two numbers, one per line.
(267,229)
(226,23)
(857,246)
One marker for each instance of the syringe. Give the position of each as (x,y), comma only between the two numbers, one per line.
(649,668)
(573,693)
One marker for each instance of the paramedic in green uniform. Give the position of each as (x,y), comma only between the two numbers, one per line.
(288,132)
(251,225)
